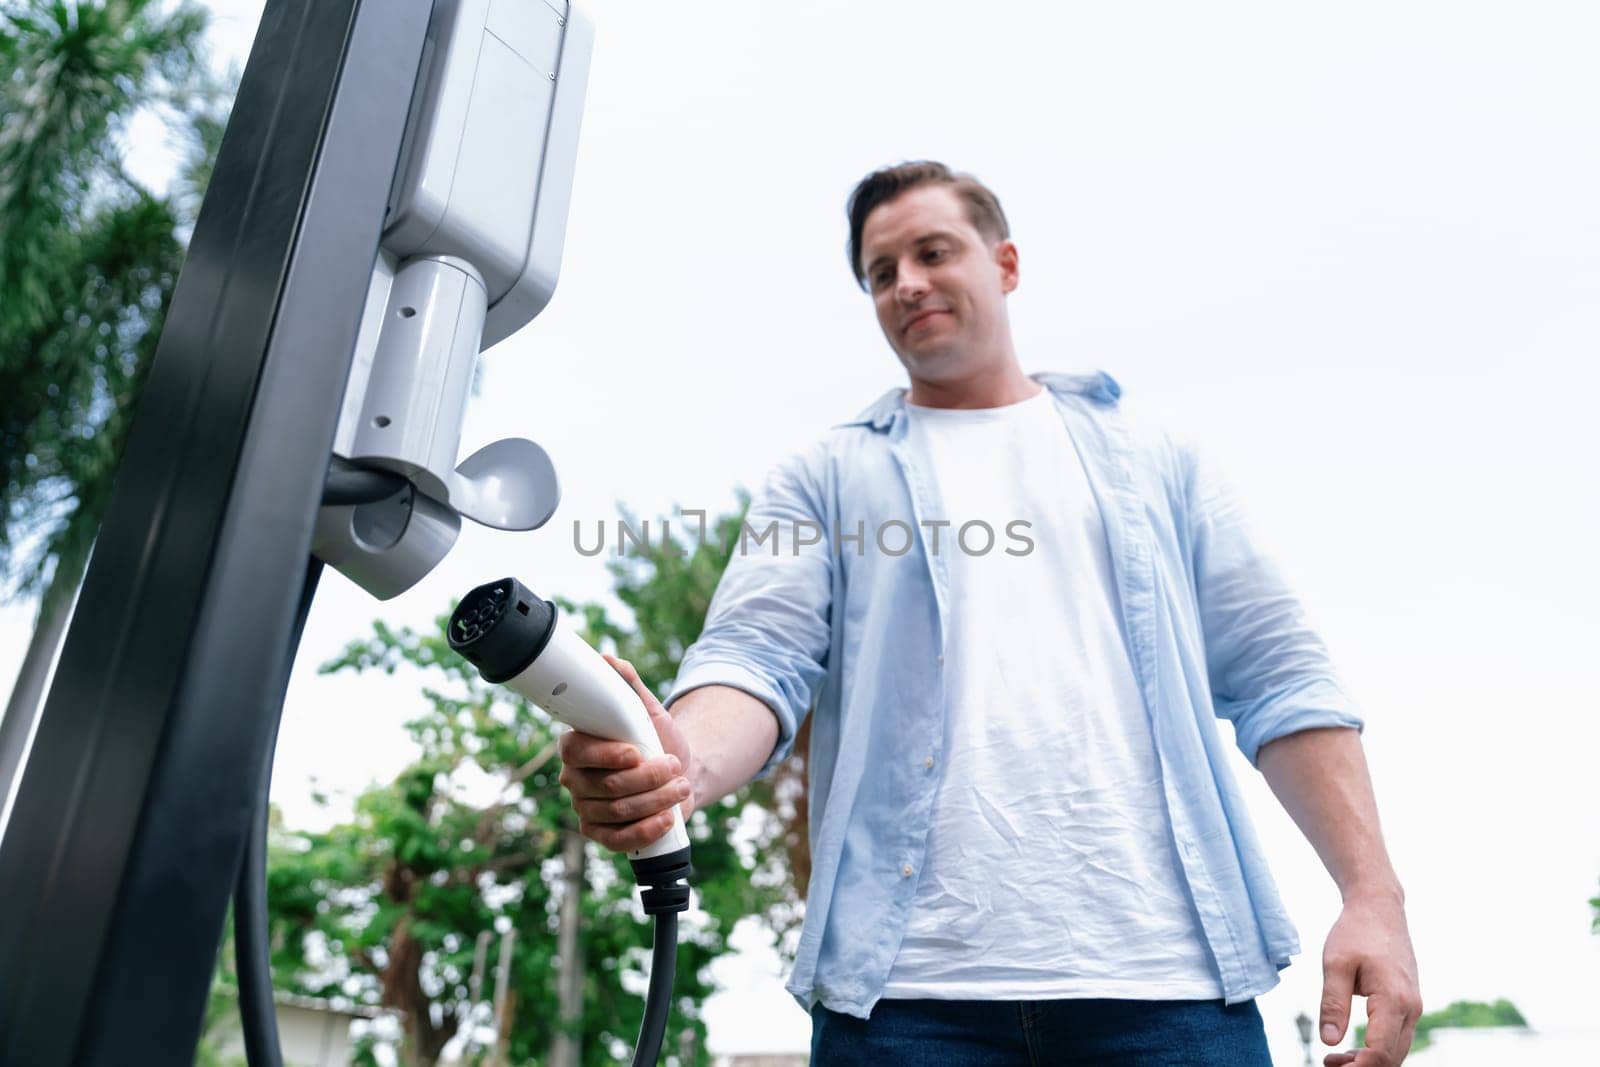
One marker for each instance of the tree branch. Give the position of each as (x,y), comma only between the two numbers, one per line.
(518,776)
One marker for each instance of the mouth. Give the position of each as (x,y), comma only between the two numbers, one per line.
(921,317)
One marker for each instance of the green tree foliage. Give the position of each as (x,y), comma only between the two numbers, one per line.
(88,259)
(1460,1013)
(386,909)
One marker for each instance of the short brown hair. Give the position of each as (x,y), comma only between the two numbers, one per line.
(886,183)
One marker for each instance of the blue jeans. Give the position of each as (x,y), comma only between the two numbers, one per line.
(1042,1033)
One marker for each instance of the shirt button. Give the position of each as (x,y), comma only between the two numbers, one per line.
(941,659)
(928,762)
(905,872)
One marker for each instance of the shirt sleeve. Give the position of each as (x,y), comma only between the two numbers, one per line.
(1269,671)
(767,629)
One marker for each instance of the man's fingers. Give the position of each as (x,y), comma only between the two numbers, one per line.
(1338,1059)
(660,717)
(630,674)
(1338,985)
(581,750)
(588,783)
(629,837)
(629,809)
(622,800)
(1408,1032)
(1386,1019)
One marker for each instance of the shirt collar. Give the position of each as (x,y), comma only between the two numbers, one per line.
(1098,386)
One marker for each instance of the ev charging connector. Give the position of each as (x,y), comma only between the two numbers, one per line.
(521,641)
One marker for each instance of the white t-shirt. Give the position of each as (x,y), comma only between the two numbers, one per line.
(1050,869)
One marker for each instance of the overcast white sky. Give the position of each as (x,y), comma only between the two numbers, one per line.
(1356,249)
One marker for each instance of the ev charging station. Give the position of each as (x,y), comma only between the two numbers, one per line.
(390,198)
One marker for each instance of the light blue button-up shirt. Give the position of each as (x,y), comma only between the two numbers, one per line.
(843,606)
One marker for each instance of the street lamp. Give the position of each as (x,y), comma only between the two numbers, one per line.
(1303,1021)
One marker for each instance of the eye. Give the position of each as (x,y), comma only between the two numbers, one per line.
(934,255)
(881,276)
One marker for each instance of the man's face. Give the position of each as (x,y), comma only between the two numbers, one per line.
(938,285)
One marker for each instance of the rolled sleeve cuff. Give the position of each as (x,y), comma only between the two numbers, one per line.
(1318,706)
(738,676)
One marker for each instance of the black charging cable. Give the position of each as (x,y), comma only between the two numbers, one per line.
(252,947)
(665,895)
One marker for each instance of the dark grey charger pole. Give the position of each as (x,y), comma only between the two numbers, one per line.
(129,824)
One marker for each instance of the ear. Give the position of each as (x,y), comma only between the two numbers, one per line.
(1005,257)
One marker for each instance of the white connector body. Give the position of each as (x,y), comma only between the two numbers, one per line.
(575,685)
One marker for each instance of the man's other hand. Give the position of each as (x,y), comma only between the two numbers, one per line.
(624,801)
(1368,954)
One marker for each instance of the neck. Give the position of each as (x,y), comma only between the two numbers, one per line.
(991,387)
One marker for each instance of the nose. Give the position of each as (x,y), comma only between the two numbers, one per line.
(911,283)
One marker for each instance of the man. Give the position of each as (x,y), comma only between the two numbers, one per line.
(1027,846)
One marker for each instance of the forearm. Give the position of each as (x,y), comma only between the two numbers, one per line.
(730,735)
(1321,779)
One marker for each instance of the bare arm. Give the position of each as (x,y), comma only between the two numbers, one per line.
(1321,778)
(729,734)
(714,741)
